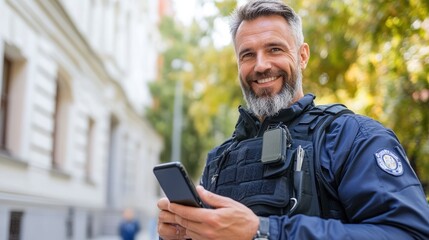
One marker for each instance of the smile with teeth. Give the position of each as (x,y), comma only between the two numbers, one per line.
(265,80)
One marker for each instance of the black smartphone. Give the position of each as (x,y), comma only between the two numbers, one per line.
(176,184)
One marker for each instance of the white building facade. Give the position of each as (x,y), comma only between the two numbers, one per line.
(75,149)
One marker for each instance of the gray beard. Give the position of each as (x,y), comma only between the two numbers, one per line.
(267,105)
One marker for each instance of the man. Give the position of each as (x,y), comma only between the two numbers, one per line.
(357,182)
(129,226)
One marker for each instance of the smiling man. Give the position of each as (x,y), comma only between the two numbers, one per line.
(291,169)
(270,62)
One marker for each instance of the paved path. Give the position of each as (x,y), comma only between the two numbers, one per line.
(142,236)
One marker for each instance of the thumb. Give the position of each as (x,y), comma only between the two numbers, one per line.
(214,200)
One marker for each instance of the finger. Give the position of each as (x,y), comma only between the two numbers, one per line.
(167,231)
(190,217)
(171,232)
(166,217)
(192,235)
(181,221)
(163,204)
(180,232)
(192,214)
(214,200)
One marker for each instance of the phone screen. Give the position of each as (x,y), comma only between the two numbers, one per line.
(176,184)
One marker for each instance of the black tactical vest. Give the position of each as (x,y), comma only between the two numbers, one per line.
(235,169)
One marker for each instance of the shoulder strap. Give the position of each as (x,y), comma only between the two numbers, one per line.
(330,112)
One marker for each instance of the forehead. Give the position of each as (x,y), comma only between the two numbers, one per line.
(262,29)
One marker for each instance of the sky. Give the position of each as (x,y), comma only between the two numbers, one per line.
(186,10)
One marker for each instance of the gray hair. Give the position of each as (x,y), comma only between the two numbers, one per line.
(257,8)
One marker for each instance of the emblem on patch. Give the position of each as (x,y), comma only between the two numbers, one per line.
(389,162)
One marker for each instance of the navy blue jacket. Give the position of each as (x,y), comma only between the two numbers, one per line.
(378,190)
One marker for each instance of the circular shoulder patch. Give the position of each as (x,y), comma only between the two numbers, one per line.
(389,162)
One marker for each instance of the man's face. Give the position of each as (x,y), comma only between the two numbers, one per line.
(269,64)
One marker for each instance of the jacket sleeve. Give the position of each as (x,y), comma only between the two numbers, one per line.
(381,196)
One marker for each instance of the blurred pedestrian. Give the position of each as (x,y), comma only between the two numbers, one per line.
(129,226)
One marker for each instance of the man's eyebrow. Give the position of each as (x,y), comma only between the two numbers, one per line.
(277,44)
(267,45)
(244,51)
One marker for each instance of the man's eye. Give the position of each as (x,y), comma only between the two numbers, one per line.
(246,56)
(275,49)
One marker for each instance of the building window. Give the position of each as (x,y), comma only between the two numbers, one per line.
(62,102)
(89,150)
(125,164)
(56,158)
(15,222)
(5,92)
(112,162)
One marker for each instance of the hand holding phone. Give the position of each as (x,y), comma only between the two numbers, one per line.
(176,184)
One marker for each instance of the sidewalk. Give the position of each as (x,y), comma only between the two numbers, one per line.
(144,235)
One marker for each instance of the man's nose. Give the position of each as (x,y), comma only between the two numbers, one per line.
(262,63)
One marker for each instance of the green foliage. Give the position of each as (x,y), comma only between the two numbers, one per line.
(211,92)
(374,56)
(371,55)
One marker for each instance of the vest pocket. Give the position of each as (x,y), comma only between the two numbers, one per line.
(279,169)
(264,197)
(272,199)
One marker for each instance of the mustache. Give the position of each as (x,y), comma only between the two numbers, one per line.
(267,74)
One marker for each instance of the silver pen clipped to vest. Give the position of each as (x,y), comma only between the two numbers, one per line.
(297,176)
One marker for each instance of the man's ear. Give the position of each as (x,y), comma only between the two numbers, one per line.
(304,53)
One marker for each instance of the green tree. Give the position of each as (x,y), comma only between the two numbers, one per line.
(211,92)
(374,55)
